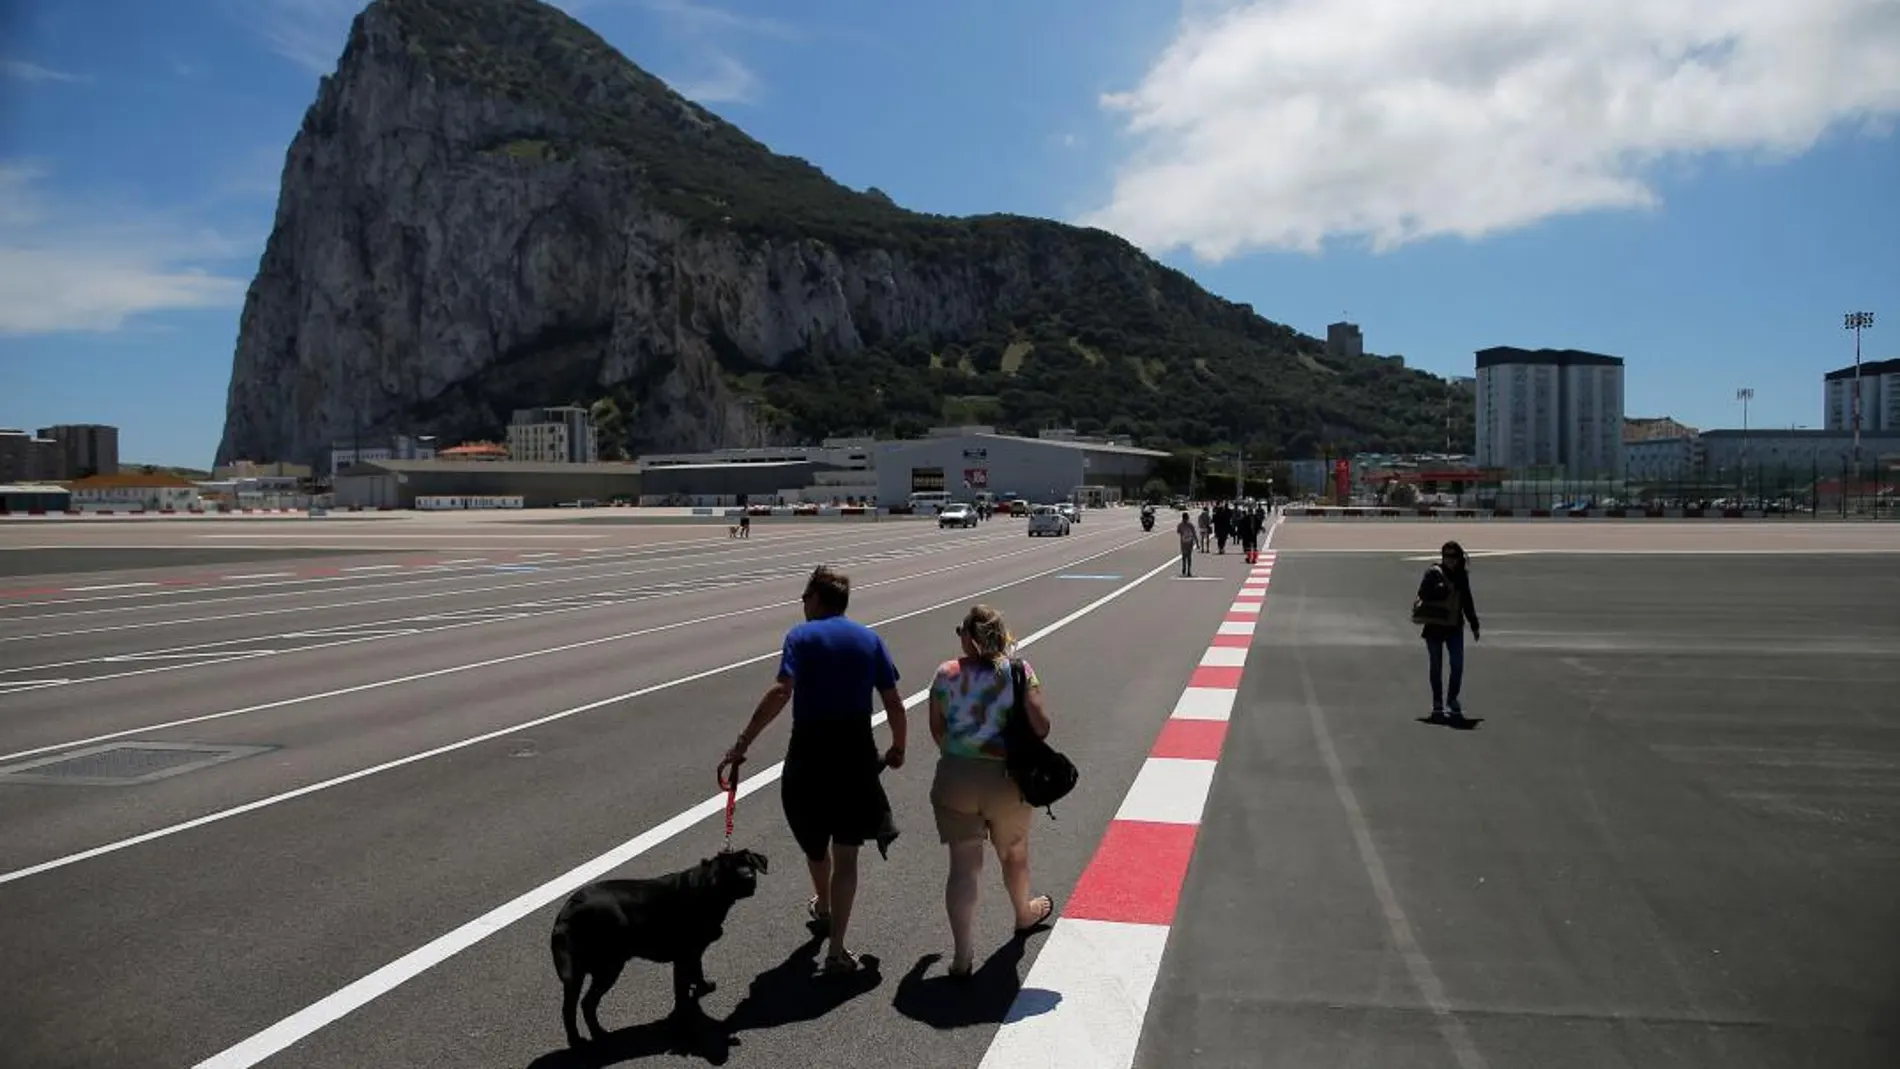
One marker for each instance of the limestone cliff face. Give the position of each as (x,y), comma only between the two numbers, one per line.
(437,260)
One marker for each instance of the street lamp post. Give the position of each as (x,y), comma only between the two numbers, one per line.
(1744,395)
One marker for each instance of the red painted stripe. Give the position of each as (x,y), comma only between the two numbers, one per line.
(32,593)
(1216,676)
(1243,617)
(1232,641)
(1190,740)
(1136,874)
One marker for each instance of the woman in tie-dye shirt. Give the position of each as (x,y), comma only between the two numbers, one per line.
(973,797)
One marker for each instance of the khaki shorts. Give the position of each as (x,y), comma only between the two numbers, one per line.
(975,799)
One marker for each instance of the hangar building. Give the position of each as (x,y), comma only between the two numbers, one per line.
(963,461)
(397,483)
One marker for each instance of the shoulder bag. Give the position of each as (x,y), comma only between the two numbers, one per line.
(1042,773)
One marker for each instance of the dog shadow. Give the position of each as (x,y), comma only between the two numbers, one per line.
(790,992)
(1468,723)
(986,997)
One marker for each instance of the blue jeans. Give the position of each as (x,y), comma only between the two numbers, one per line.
(1437,646)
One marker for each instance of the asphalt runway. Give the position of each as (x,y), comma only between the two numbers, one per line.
(70,561)
(1671,839)
(382,793)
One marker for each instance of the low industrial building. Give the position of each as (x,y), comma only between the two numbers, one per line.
(843,470)
(32,498)
(771,482)
(395,484)
(965,461)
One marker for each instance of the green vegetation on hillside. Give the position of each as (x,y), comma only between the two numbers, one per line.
(1089,333)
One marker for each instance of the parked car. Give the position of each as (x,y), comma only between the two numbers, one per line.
(956,514)
(1046,520)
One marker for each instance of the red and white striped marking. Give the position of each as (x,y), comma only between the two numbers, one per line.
(1105,951)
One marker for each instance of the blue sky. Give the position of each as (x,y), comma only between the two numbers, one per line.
(1703,190)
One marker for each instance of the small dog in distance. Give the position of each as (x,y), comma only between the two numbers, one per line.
(669,919)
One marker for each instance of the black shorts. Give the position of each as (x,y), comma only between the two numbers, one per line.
(830,791)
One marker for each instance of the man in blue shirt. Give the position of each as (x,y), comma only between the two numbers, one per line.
(828,670)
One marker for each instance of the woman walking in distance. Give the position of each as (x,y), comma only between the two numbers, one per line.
(972,795)
(1442,606)
(829,668)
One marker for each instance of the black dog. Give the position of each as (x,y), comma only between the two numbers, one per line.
(667,919)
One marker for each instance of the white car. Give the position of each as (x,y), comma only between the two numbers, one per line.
(1070,512)
(956,515)
(1046,520)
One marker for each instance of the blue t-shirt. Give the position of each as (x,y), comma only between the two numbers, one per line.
(836,666)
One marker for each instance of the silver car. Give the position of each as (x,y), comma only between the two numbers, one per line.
(1046,520)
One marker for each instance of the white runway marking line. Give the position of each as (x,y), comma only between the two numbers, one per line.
(338,1004)
(1416,963)
(1236,627)
(530,654)
(718,558)
(206,654)
(370,568)
(1245,608)
(1224,657)
(108,586)
(257,575)
(657,550)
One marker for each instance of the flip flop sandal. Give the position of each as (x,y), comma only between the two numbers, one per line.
(1048,912)
(811,907)
(840,964)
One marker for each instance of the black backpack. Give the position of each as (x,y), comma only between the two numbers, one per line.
(1433,603)
(1043,774)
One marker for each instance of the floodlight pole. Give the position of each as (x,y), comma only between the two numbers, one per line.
(1745,395)
(1857,322)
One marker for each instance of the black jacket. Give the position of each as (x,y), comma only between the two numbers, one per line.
(1467,608)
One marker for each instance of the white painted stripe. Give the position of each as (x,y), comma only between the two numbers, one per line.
(532,556)
(1251,593)
(1237,627)
(1403,939)
(1245,607)
(259,575)
(1168,790)
(1224,656)
(575,603)
(106,586)
(284,1033)
(370,568)
(476,560)
(1205,703)
(1103,972)
(710,559)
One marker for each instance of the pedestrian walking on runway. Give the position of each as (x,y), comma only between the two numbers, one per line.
(828,670)
(1442,606)
(973,797)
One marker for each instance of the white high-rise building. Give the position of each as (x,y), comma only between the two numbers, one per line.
(1879,397)
(1550,408)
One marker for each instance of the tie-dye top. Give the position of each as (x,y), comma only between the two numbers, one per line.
(977,697)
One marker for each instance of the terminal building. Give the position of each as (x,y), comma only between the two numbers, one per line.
(964,461)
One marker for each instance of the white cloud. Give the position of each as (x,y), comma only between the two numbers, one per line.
(1287,123)
(20,70)
(79,265)
(729,82)
(309,33)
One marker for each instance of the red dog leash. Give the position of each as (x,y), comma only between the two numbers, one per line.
(731,787)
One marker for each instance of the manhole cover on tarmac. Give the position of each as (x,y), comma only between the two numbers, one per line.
(123,763)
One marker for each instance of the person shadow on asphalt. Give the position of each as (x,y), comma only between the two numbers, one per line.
(945,1003)
(781,995)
